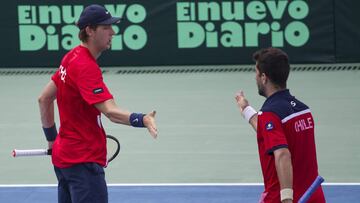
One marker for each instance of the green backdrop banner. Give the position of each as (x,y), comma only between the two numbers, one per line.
(183,32)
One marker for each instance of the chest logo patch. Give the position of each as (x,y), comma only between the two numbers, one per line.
(98,90)
(269,126)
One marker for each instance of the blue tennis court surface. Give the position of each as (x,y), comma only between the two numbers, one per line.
(173,193)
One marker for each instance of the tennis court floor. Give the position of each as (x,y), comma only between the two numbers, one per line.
(193,146)
(174,193)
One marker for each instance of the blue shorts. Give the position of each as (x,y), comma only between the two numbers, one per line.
(82,183)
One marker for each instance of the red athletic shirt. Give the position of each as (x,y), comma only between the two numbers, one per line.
(79,85)
(285,122)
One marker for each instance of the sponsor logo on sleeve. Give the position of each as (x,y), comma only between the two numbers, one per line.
(98,90)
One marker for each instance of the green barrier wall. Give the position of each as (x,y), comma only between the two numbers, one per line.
(162,32)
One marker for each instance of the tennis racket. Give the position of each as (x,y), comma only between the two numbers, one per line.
(317,182)
(112,145)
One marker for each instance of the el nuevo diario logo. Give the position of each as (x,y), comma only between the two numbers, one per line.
(53,27)
(241,23)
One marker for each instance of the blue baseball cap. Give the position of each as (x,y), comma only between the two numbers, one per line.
(96,15)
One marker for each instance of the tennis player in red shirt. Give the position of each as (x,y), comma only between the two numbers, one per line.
(285,132)
(79,149)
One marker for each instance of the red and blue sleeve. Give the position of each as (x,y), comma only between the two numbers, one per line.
(271,129)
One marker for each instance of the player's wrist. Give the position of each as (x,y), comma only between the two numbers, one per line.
(50,133)
(286,194)
(248,112)
(137,120)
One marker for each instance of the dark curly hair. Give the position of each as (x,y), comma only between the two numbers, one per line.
(274,63)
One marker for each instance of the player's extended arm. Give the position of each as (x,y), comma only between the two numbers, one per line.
(46,106)
(284,172)
(113,112)
(253,122)
(117,115)
(246,110)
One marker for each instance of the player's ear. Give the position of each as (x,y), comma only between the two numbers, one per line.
(89,31)
(264,79)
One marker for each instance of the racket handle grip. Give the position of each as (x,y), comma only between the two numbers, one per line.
(31,152)
(317,182)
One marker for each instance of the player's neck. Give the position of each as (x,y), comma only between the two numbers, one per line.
(272,90)
(94,52)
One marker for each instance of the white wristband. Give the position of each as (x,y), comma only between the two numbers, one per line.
(286,193)
(248,112)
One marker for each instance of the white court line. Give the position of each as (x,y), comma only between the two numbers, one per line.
(170,184)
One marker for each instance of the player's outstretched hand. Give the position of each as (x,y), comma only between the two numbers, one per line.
(149,122)
(241,101)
